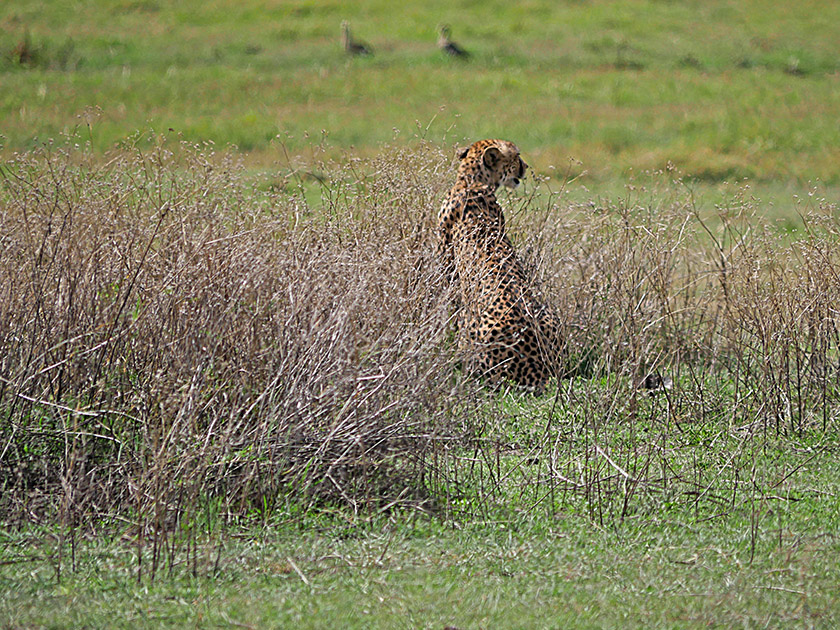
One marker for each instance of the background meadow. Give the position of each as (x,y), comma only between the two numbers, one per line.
(722,90)
(229,388)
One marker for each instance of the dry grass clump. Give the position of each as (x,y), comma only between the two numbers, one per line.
(657,285)
(179,338)
(735,321)
(173,334)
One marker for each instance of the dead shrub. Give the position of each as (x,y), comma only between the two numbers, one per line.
(175,336)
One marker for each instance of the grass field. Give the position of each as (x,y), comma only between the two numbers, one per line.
(230,393)
(651,573)
(724,90)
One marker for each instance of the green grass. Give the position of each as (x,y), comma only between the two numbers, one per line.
(652,572)
(724,90)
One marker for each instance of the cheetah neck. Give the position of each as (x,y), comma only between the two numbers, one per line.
(476,174)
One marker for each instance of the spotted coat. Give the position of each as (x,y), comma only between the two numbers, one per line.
(506,332)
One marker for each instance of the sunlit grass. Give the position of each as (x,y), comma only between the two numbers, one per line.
(654,573)
(723,90)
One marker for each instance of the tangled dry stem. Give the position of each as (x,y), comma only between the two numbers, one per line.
(177,335)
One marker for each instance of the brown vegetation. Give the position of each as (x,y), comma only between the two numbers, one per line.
(173,336)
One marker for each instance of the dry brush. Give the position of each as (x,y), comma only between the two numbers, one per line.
(178,334)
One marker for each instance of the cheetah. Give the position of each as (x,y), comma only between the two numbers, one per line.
(508,333)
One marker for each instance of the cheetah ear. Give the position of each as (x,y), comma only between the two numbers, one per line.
(461,152)
(491,157)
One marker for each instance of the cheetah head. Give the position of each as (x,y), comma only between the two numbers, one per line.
(492,162)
